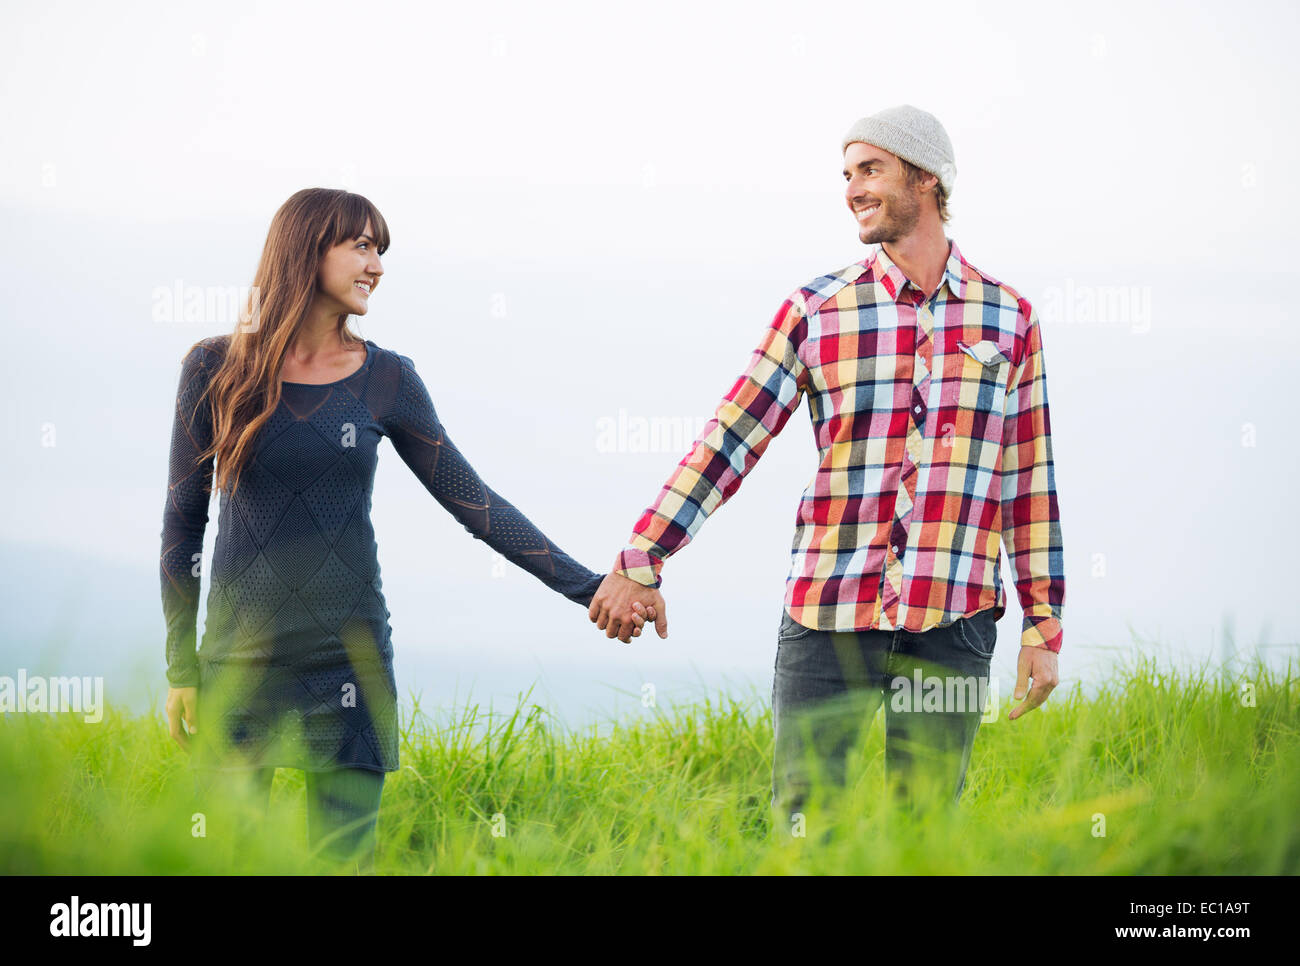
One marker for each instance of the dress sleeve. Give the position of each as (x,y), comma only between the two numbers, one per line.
(185,515)
(423,444)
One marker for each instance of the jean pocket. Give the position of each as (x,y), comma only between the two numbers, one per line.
(979,633)
(791,630)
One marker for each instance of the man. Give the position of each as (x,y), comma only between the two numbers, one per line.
(927,394)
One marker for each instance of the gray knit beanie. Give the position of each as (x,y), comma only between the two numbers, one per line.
(912,134)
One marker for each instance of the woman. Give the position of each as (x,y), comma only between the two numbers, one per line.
(296,662)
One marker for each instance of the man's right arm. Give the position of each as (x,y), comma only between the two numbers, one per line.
(749,416)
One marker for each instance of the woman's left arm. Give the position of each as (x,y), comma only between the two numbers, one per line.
(423,444)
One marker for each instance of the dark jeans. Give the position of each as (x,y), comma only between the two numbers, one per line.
(342,808)
(828,686)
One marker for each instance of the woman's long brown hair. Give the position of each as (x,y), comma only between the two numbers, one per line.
(245,389)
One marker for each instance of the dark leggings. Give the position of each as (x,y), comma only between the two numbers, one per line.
(342,807)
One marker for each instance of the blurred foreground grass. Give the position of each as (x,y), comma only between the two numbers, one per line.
(1187,774)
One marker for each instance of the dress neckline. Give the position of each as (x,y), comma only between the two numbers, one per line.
(320,385)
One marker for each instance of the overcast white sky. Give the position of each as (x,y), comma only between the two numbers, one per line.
(598,208)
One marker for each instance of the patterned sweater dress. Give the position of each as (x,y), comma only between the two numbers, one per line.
(297,645)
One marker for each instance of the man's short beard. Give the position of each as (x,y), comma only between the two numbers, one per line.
(905,212)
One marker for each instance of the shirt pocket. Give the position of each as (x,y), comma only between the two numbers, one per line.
(986,353)
(982,376)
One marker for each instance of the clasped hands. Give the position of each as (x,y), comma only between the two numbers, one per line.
(622,606)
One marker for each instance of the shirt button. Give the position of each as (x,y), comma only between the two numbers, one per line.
(917,410)
(895,549)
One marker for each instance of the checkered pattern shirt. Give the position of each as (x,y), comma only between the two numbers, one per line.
(931,421)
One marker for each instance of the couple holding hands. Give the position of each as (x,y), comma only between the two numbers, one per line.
(927,394)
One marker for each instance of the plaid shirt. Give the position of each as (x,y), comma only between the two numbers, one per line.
(931,419)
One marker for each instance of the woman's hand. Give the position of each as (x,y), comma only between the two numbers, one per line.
(182,703)
(641,615)
(613,608)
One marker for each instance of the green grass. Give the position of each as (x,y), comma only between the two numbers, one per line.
(1187,778)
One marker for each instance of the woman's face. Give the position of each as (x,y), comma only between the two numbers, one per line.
(349,273)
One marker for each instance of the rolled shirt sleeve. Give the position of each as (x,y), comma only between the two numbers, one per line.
(1030,518)
(731,443)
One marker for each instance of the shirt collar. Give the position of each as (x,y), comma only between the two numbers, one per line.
(955,271)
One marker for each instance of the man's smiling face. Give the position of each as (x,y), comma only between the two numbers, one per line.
(884,205)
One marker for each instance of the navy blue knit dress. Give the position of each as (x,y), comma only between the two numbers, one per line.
(297,630)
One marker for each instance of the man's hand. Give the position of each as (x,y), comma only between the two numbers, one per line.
(613,611)
(182,703)
(1040,664)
